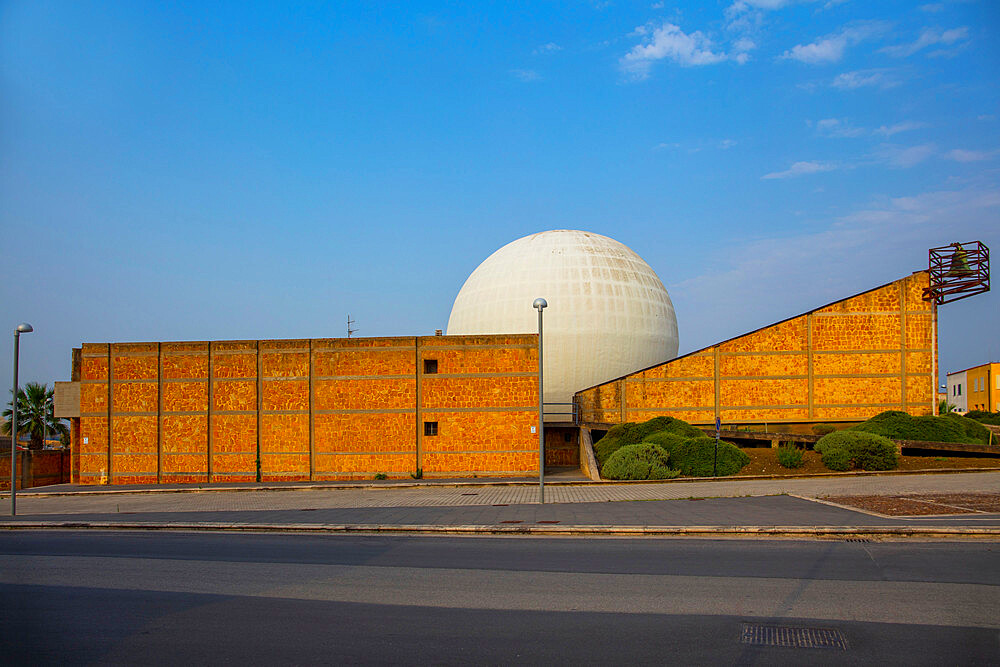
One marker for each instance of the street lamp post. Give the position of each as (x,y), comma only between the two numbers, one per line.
(23,327)
(539,305)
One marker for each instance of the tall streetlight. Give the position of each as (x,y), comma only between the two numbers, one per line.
(539,305)
(23,327)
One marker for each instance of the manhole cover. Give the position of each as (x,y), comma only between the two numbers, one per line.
(778,635)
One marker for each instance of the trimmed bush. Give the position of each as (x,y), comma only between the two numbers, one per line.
(668,440)
(983,417)
(823,429)
(632,433)
(694,456)
(946,428)
(789,456)
(860,450)
(642,461)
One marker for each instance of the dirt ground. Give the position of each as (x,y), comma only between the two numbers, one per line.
(764,461)
(923,504)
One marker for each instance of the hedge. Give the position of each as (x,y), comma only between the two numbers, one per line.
(632,433)
(694,456)
(946,428)
(642,461)
(860,450)
(983,417)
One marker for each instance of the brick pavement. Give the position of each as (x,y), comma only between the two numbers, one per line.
(733,503)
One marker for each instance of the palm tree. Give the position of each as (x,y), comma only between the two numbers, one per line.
(34,414)
(944,407)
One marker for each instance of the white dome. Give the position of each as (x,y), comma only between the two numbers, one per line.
(608,313)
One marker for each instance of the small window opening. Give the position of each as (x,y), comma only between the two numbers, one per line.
(430,367)
(430,428)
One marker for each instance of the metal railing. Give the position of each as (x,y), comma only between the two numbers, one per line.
(561,412)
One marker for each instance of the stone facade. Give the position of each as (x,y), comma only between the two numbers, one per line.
(846,361)
(320,409)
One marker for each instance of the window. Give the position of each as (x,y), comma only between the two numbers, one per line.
(430,367)
(959,388)
(430,428)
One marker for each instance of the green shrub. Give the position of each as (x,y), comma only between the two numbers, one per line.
(667,440)
(983,417)
(946,428)
(972,428)
(632,433)
(844,450)
(823,429)
(838,460)
(641,461)
(790,456)
(694,456)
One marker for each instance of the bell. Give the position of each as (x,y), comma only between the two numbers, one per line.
(959,264)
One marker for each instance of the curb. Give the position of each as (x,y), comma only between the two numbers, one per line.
(27,493)
(843,532)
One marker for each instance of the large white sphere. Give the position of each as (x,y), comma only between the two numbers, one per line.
(608,313)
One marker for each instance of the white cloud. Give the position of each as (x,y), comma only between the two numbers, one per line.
(526,75)
(551,47)
(830,49)
(905,126)
(726,144)
(986,116)
(928,37)
(866,78)
(750,284)
(801,169)
(669,42)
(962,155)
(835,127)
(932,8)
(904,157)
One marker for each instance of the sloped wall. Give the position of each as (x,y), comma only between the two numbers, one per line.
(845,361)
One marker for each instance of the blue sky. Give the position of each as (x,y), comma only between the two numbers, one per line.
(195,171)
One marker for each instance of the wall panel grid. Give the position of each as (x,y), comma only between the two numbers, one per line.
(301,409)
(848,360)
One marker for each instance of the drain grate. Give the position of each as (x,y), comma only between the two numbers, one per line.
(511,522)
(778,635)
(501,505)
(470,494)
(857,539)
(546,522)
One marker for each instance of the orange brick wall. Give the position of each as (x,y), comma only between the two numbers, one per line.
(846,361)
(321,409)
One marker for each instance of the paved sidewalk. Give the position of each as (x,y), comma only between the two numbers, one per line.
(728,504)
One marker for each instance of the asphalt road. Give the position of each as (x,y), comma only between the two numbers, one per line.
(159,598)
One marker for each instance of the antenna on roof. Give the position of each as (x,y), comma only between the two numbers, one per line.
(349,323)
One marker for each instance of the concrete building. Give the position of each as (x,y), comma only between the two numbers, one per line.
(958,391)
(466,404)
(976,388)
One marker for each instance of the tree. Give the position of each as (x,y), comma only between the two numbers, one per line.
(35,414)
(944,407)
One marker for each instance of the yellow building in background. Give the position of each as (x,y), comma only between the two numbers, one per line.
(984,387)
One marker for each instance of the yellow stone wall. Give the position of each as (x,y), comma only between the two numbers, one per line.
(846,361)
(321,409)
